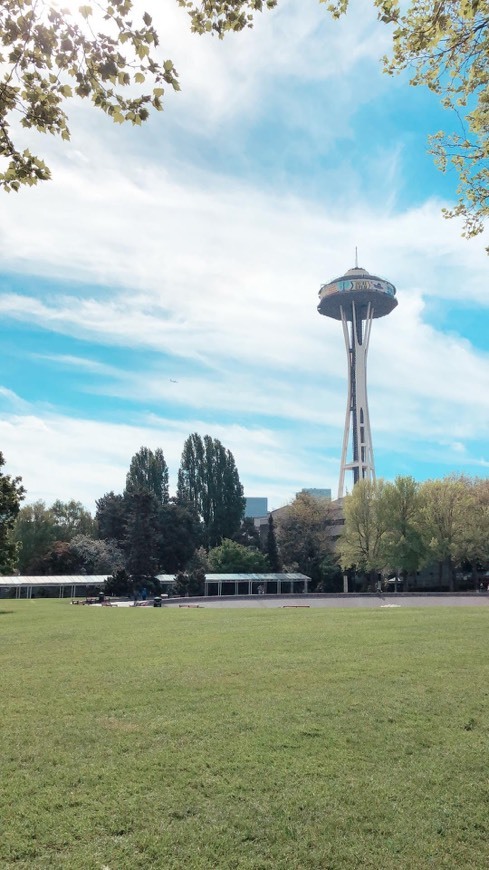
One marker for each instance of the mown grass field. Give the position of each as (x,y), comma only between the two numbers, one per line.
(141,738)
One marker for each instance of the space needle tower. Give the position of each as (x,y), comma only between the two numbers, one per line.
(356,299)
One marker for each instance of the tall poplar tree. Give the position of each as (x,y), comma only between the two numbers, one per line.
(148,472)
(208,479)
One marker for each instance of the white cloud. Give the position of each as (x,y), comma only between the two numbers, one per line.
(226,79)
(224,280)
(61,457)
(221,276)
(79,363)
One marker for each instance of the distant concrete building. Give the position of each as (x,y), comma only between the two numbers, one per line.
(317,493)
(256,506)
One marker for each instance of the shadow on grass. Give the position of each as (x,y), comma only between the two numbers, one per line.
(4,612)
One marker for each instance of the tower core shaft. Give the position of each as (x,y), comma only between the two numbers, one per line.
(356,299)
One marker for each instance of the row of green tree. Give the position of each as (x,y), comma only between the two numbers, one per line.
(398,528)
(142,531)
(389,529)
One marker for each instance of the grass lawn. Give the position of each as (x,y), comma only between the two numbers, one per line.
(147,738)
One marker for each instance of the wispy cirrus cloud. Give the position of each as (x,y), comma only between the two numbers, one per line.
(49,450)
(169,254)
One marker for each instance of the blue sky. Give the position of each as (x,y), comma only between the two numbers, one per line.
(166,280)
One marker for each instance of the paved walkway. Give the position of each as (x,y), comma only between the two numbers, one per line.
(386,601)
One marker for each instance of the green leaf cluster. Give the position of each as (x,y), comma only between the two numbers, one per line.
(303,531)
(404,525)
(233,558)
(221,16)
(49,55)
(11,494)
(444,45)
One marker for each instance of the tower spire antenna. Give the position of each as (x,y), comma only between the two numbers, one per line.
(356,257)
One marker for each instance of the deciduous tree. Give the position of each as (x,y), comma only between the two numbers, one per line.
(362,543)
(35,531)
(191,581)
(473,546)
(95,556)
(233,558)
(59,560)
(304,535)
(402,544)
(180,534)
(445,507)
(99,53)
(72,519)
(248,534)
(11,494)
(81,555)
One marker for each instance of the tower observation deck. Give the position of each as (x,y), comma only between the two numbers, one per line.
(356,299)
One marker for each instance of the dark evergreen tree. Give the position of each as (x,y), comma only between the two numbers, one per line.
(189,584)
(111,517)
(191,581)
(11,494)
(142,536)
(208,479)
(148,472)
(119,583)
(272,549)
(331,575)
(248,535)
(180,533)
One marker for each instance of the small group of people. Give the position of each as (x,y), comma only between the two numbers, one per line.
(136,593)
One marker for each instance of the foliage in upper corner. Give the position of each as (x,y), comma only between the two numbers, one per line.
(48,55)
(220,16)
(445,46)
